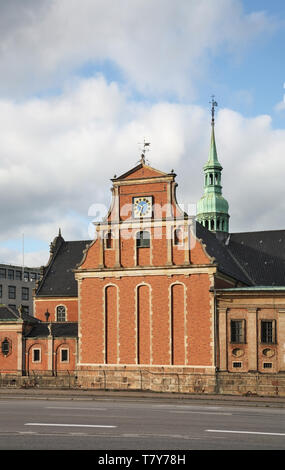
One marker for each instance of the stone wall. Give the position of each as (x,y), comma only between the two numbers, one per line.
(158,380)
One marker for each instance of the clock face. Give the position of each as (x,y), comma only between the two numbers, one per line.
(142,206)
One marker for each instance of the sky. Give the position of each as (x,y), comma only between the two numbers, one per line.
(83,83)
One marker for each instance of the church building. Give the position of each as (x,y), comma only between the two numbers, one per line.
(159,300)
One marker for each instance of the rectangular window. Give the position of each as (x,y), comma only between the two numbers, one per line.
(267,365)
(64,355)
(25,309)
(33,276)
(2,273)
(109,241)
(143,239)
(25,293)
(11,274)
(0,290)
(268,331)
(36,355)
(26,276)
(18,275)
(237,331)
(178,237)
(11,292)
(237,364)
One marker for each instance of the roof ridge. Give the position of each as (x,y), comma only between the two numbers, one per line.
(49,264)
(241,267)
(258,231)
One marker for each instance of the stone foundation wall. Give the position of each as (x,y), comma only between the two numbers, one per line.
(163,379)
(251,383)
(180,380)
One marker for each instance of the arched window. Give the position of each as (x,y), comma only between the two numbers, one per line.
(206,224)
(211,178)
(143,239)
(61,313)
(212,224)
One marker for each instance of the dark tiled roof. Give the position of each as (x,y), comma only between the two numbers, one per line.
(8,314)
(11,314)
(58,279)
(65,329)
(223,257)
(261,254)
(253,258)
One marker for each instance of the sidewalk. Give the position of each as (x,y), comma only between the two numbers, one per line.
(74,394)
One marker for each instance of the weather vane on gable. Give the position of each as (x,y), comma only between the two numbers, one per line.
(145,149)
(214,104)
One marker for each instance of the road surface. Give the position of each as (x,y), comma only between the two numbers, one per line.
(122,424)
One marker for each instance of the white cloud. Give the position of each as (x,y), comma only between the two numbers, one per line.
(58,151)
(59,154)
(158,45)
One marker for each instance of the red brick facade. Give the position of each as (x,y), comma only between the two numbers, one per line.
(146,305)
(163,304)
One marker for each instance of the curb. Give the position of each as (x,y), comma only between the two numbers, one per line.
(87,394)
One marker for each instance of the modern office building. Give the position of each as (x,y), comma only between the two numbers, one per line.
(16,286)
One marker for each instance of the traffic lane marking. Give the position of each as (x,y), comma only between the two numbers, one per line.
(72,425)
(203,412)
(74,408)
(246,432)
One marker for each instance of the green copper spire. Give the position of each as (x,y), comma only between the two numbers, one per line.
(212,208)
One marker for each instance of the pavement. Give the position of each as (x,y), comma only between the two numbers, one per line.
(87,394)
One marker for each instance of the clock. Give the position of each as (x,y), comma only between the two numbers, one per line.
(142,206)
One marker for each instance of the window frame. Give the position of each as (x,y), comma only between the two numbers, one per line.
(57,313)
(10,274)
(39,351)
(108,240)
(66,350)
(141,241)
(25,290)
(6,351)
(10,295)
(178,241)
(239,333)
(266,336)
(3,273)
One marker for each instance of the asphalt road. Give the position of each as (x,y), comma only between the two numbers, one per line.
(122,424)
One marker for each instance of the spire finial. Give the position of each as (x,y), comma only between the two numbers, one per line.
(214,104)
(145,148)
